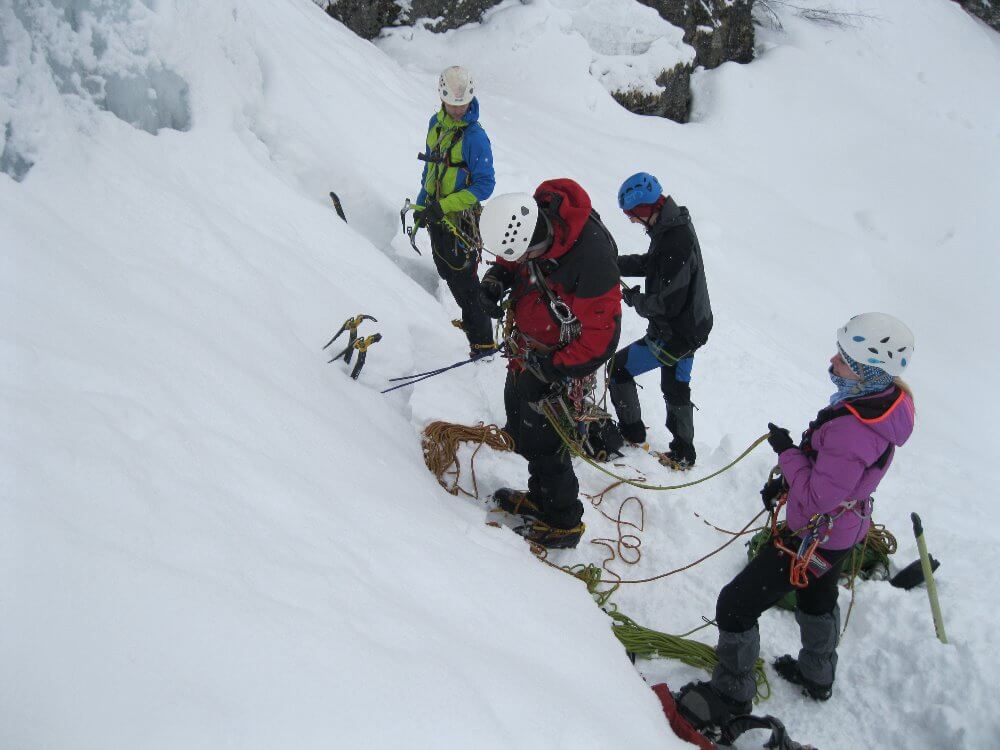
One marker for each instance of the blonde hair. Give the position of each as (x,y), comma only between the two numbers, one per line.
(905,388)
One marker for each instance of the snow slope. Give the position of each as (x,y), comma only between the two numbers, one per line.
(212,538)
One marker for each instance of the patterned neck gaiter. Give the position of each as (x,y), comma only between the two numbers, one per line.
(873,380)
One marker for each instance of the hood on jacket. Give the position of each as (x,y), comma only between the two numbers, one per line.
(671,215)
(890,414)
(568,207)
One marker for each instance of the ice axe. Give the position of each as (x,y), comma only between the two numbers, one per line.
(337,205)
(411,231)
(925,563)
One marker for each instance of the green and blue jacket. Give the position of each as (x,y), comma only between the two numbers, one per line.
(465,176)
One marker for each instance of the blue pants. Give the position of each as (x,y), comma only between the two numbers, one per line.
(674,363)
(647,354)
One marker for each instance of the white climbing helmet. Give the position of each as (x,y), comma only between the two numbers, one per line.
(507,223)
(877,340)
(455,86)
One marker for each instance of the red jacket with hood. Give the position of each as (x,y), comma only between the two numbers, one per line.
(581,269)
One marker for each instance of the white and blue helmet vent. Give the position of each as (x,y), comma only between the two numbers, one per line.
(877,340)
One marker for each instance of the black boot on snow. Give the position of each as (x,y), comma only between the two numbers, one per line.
(634,432)
(551,537)
(515,502)
(787,666)
(704,706)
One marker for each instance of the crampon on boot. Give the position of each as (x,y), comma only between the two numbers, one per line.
(515,502)
(483,351)
(787,666)
(704,707)
(675,462)
(551,537)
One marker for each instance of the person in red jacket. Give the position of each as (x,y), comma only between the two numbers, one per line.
(559,263)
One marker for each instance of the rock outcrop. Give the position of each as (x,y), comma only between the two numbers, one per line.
(719,30)
(987,10)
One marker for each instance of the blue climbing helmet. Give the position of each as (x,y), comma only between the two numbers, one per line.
(638,189)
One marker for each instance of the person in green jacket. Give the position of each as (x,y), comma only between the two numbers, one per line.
(458,176)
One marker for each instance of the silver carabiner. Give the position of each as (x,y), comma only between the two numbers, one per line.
(562,311)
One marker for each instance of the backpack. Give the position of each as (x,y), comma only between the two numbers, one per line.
(604,440)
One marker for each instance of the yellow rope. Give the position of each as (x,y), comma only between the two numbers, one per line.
(575,449)
(440,442)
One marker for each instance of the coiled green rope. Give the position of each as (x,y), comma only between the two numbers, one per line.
(651,644)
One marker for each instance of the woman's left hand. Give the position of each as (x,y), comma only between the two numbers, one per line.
(779,439)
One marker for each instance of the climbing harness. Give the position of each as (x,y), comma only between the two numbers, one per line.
(351,325)
(805,557)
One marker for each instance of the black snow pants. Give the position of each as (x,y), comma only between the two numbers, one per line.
(764,581)
(459,269)
(552,483)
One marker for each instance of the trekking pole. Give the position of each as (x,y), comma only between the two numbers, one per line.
(925,563)
(416,378)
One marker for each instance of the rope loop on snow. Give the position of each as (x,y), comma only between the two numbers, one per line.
(542,554)
(576,450)
(440,442)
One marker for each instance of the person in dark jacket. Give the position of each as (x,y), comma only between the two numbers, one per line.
(457,176)
(674,299)
(827,481)
(558,261)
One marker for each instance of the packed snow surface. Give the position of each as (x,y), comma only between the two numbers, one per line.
(210,537)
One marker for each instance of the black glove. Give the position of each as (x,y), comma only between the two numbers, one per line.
(432,213)
(779,439)
(490,294)
(541,365)
(770,491)
(629,294)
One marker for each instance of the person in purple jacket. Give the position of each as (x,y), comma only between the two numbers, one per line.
(829,479)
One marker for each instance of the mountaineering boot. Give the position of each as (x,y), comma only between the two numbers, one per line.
(787,666)
(483,352)
(674,461)
(733,676)
(704,706)
(625,399)
(515,502)
(817,662)
(680,423)
(551,537)
(633,432)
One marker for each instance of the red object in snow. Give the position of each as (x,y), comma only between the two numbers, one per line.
(681,726)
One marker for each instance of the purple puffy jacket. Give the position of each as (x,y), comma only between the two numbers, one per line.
(844,463)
